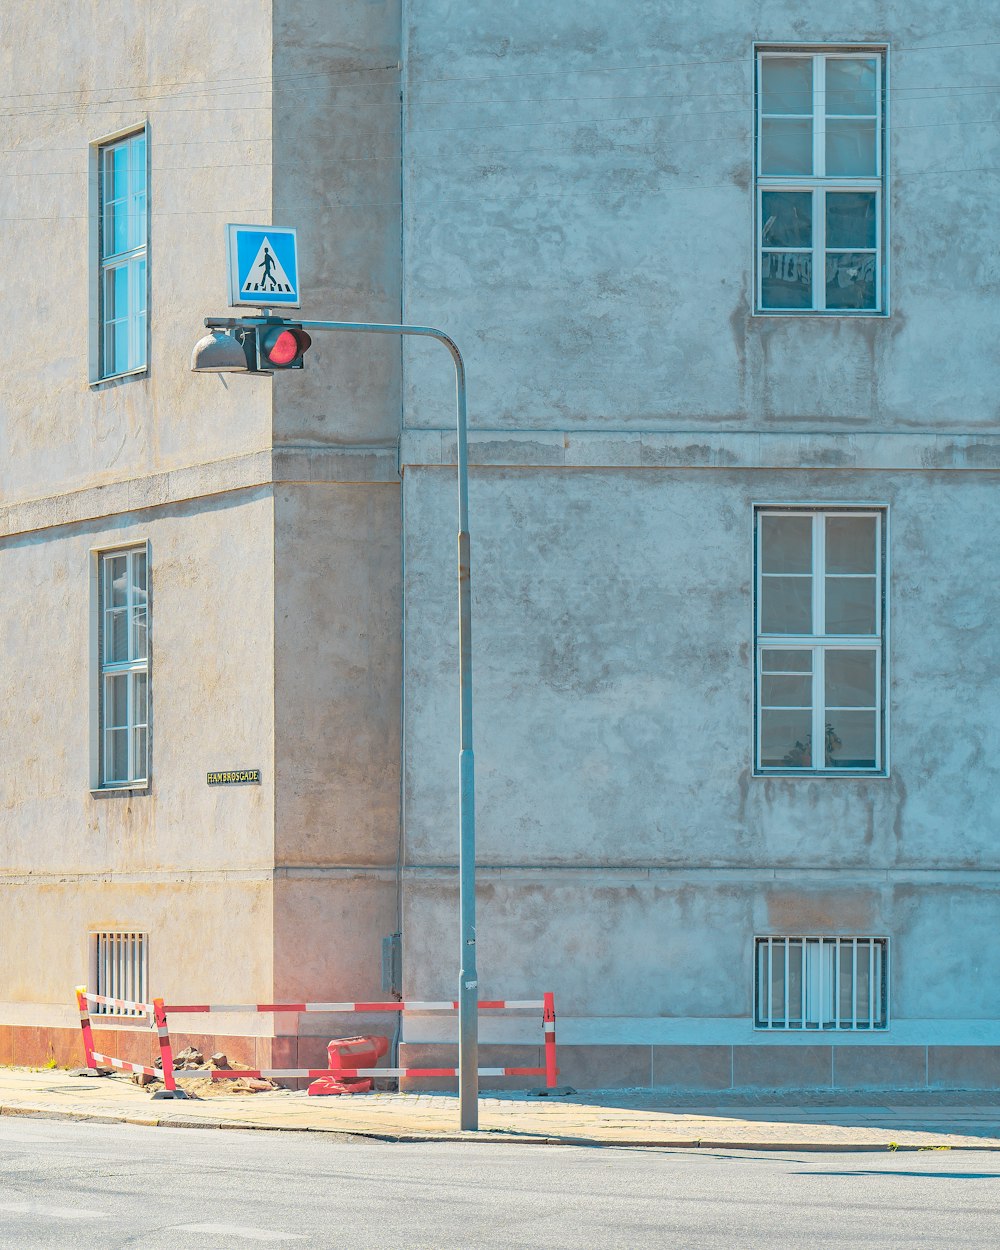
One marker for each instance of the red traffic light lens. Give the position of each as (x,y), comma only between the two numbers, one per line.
(283,349)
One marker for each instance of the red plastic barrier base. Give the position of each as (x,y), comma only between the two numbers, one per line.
(339,1085)
(357,1052)
(350,1052)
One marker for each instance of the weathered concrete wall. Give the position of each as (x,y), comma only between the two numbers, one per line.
(336,124)
(338,674)
(613,638)
(212,707)
(633,955)
(614,683)
(579,212)
(206,100)
(45,953)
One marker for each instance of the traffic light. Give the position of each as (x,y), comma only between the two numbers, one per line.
(281,346)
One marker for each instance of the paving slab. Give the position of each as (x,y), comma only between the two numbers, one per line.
(600,1118)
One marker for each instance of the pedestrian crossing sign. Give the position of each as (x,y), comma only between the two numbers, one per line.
(262,266)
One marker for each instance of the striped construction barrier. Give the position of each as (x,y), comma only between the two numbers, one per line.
(96,1060)
(160,1012)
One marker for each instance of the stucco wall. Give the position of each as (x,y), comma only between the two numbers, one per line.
(338,675)
(613,635)
(211,569)
(638,955)
(336,119)
(206,99)
(578,208)
(613,641)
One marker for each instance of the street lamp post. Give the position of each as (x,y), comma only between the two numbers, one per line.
(468,982)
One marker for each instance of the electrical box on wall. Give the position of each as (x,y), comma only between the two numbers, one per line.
(392,965)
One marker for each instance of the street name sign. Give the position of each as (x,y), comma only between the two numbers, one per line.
(235,777)
(262,266)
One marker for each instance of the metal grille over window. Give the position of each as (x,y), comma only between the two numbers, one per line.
(820,181)
(123,235)
(821,983)
(124,633)
(820,633)
(119,969)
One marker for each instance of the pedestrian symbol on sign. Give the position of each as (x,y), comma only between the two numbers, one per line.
(266,273)
(262,266)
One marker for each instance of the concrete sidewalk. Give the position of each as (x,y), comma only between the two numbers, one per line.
(599,1118)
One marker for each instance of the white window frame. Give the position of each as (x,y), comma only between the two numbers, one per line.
(826,961)
(118,961)
(133,259)
(818,183)
(818,643)
(138,767)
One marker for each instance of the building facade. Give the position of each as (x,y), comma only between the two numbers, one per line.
(726,286)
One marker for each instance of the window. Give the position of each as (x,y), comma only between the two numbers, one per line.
(820,659)
(820,181)
(122,234)
(123,643)
(119,969)
(821,983)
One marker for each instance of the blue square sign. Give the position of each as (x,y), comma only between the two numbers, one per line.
(262,266)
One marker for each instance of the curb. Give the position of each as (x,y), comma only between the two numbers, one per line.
(495,1136)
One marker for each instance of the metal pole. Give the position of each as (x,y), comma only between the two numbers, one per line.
(468,977)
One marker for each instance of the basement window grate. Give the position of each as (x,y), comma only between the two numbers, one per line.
(821,983)
(119,969)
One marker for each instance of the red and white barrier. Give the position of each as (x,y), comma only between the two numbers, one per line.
(509,1004)
(160,1012)
(96,1060)
(546,1005)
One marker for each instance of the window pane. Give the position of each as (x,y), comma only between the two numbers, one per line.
(116,636)
(780,690)
(116,581)
(113,220)
(120,237)
(850,740)
(786,219)
(119,161)
(137,163)
(140,285)
(119,352)
(761,987)
(786,605)
(862,984)
(850,679)
(786,84)
(773,661)
(850,219)
(850,279)
(850,605)
(138,754)
(786,145)
(116,700)
(785,543)
(879,978)
(786,280)
(819,982)
(794,982)
(140,714)
(139,577)
(850,544)
(777,983)
(116,293)
(850,149)
(851,86)
(785,739)
(116,755)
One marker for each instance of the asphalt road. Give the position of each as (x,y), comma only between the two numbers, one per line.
(67,1184)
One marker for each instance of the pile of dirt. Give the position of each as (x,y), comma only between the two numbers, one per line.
(191,1059)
